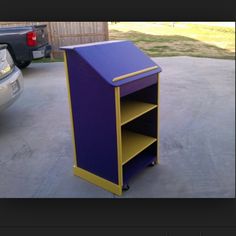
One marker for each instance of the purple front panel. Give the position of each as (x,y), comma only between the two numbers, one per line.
(93,109)
(137,85)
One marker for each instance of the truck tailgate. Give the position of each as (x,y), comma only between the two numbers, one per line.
(41,35)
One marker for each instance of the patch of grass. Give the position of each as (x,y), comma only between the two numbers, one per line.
(47,60)
(184,39)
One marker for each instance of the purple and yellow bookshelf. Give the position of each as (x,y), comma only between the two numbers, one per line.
(114,99)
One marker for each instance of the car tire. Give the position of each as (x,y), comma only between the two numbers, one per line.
(22,64)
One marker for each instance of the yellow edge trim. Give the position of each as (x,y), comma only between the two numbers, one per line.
(69,100)
(158,117)
(134,73)
(140,114)
(107,185)
(118,133)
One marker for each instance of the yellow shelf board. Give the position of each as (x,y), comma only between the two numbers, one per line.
(133,109)
(134,143)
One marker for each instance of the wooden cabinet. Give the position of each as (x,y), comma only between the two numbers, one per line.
(114,99)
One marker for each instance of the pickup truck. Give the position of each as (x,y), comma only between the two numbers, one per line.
(26,43)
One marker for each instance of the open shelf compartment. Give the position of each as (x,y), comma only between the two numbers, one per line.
(134,143)
(131,109)
(139,162)
(139,136)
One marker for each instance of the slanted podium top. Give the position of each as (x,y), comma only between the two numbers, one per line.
(117,62)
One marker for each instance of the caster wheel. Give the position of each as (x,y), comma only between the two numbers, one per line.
(125,187)
(153,163)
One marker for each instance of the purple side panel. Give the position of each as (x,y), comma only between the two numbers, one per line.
(93,109)
(137,85)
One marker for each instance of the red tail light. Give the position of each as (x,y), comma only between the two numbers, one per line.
(31,39)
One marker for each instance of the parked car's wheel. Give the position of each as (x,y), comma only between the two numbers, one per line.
(22,64)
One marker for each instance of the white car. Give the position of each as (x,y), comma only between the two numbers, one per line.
(11,80)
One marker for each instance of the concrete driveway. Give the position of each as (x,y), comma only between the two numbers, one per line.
(197,135)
